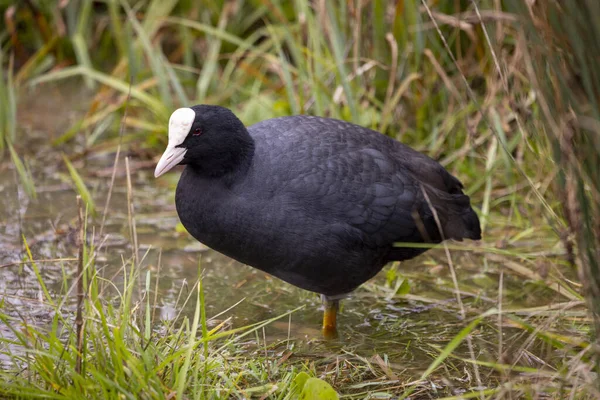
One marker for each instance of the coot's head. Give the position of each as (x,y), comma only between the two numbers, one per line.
(207,136)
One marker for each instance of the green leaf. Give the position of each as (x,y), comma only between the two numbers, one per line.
(391,275)
(298,383)
(179,228)
(317,389)
(403,289)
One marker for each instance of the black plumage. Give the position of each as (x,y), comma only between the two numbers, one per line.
(316,202)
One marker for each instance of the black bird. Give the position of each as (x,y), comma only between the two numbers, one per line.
(316,202)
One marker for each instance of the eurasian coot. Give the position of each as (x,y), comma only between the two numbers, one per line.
(316,202)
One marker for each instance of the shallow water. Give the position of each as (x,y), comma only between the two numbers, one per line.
(405,328)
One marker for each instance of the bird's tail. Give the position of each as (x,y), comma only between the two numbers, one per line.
(471,228)
(455,216)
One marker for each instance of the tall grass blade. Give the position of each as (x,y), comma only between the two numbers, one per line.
(155,105)
(182,376)
(80,187)
(79,42)
(154,56)
(285,71)
(211,61)
(40,280)
(8,98)
(156,13)
(117,27)
(337,43)
(24,173)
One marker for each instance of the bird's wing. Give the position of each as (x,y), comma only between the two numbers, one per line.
(365,190)
(349,176)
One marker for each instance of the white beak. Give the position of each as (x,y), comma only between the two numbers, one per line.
(180,123)
(170,158)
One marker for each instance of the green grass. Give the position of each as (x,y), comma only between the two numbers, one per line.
(120,356)
(476,95)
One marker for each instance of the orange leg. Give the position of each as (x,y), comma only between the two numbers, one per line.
(330,317)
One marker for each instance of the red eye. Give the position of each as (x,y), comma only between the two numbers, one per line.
(197,132)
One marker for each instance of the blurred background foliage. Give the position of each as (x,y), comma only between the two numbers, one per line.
(377,63)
